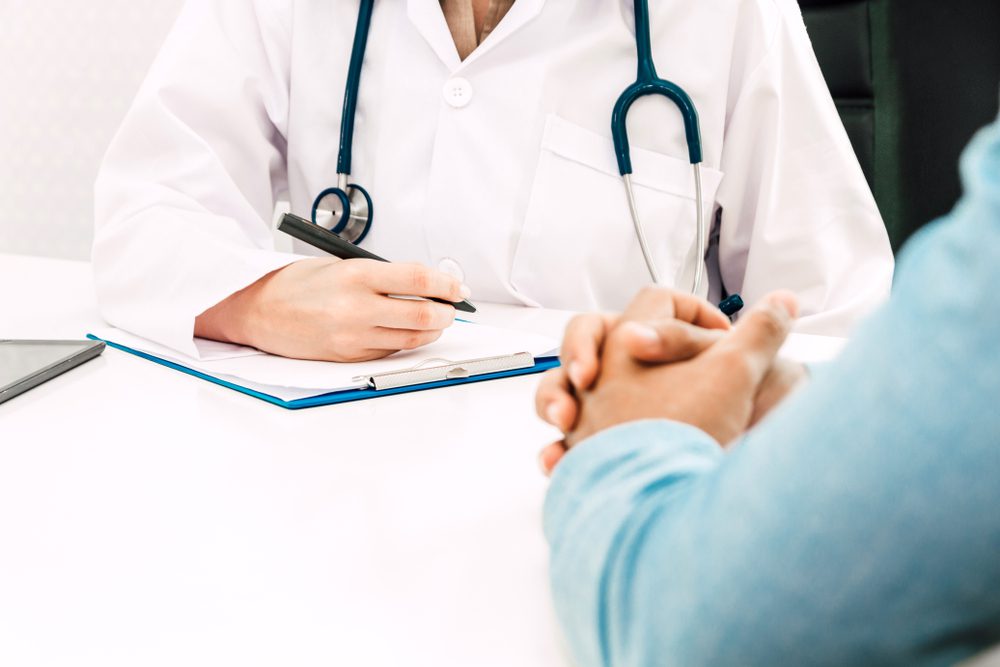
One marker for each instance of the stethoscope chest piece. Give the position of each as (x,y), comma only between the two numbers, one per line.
(345,210)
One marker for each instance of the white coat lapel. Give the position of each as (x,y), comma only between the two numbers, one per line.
(519,15)
(428,19)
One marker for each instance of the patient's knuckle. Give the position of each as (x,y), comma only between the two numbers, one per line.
(648,293)
(674,338)
(544,387)
(650,300)
(551,381)
(581,328)
(616,337)
(549,389)
(737,364)
(769,323)
(577,324)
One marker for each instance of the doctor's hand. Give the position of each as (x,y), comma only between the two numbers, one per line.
(336,310)
(670,369)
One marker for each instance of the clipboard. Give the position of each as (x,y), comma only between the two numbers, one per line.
(426,376)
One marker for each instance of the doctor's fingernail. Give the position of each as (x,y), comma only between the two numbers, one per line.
(465,291)
(575,372)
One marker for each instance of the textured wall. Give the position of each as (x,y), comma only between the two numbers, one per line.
(68,71)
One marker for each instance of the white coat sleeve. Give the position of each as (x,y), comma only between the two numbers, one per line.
(185,197)
(799,214)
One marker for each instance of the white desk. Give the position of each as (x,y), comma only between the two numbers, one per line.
(147,518)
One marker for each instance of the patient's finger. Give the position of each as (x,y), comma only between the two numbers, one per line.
(652,303)
(756,339)
(662,303)
(699,312)
(666,341)
(783,378)
(581,348)
(554,401)
(550,457)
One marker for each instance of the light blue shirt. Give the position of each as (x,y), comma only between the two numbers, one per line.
(860,524)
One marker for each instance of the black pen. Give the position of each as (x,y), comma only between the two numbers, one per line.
(327,241)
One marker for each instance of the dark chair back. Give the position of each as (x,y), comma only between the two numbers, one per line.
(913,80)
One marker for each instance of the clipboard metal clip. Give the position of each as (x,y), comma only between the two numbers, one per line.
(440,370)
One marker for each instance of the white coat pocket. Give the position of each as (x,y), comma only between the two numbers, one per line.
(578,249)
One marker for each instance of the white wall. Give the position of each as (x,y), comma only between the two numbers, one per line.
(68,71)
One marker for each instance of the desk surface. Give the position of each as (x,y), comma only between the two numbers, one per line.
(148,518)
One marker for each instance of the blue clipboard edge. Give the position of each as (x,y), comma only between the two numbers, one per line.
(542,364)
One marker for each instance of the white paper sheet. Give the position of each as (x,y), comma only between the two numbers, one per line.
(293,379)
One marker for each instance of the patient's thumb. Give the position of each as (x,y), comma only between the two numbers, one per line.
(762,331)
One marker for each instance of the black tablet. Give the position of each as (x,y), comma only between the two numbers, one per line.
(28,363)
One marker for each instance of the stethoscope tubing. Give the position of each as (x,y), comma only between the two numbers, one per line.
(647,83)
(700,237)
(354,221)
(346,153)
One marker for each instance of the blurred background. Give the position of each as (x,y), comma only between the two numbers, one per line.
(68,71)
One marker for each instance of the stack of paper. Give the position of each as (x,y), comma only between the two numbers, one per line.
(293,380)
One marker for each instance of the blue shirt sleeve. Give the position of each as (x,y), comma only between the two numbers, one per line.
(860,524)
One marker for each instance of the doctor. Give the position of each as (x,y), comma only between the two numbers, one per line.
(483,137)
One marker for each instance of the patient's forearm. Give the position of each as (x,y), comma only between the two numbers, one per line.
(667,551)
(856,525)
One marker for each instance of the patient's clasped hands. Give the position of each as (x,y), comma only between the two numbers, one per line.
(669,356)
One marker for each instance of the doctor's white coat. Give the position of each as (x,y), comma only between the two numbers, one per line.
(498,169)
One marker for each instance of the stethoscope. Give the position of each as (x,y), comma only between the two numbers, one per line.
(347,209)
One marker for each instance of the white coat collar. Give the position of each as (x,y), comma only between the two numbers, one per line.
(428,19)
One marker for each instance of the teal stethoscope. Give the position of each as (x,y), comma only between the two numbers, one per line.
(347,208)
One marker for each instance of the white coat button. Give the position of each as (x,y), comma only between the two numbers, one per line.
(458,92)
(452,268)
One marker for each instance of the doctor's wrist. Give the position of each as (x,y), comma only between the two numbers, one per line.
(235,319)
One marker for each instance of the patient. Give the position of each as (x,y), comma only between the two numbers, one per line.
(858,524)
